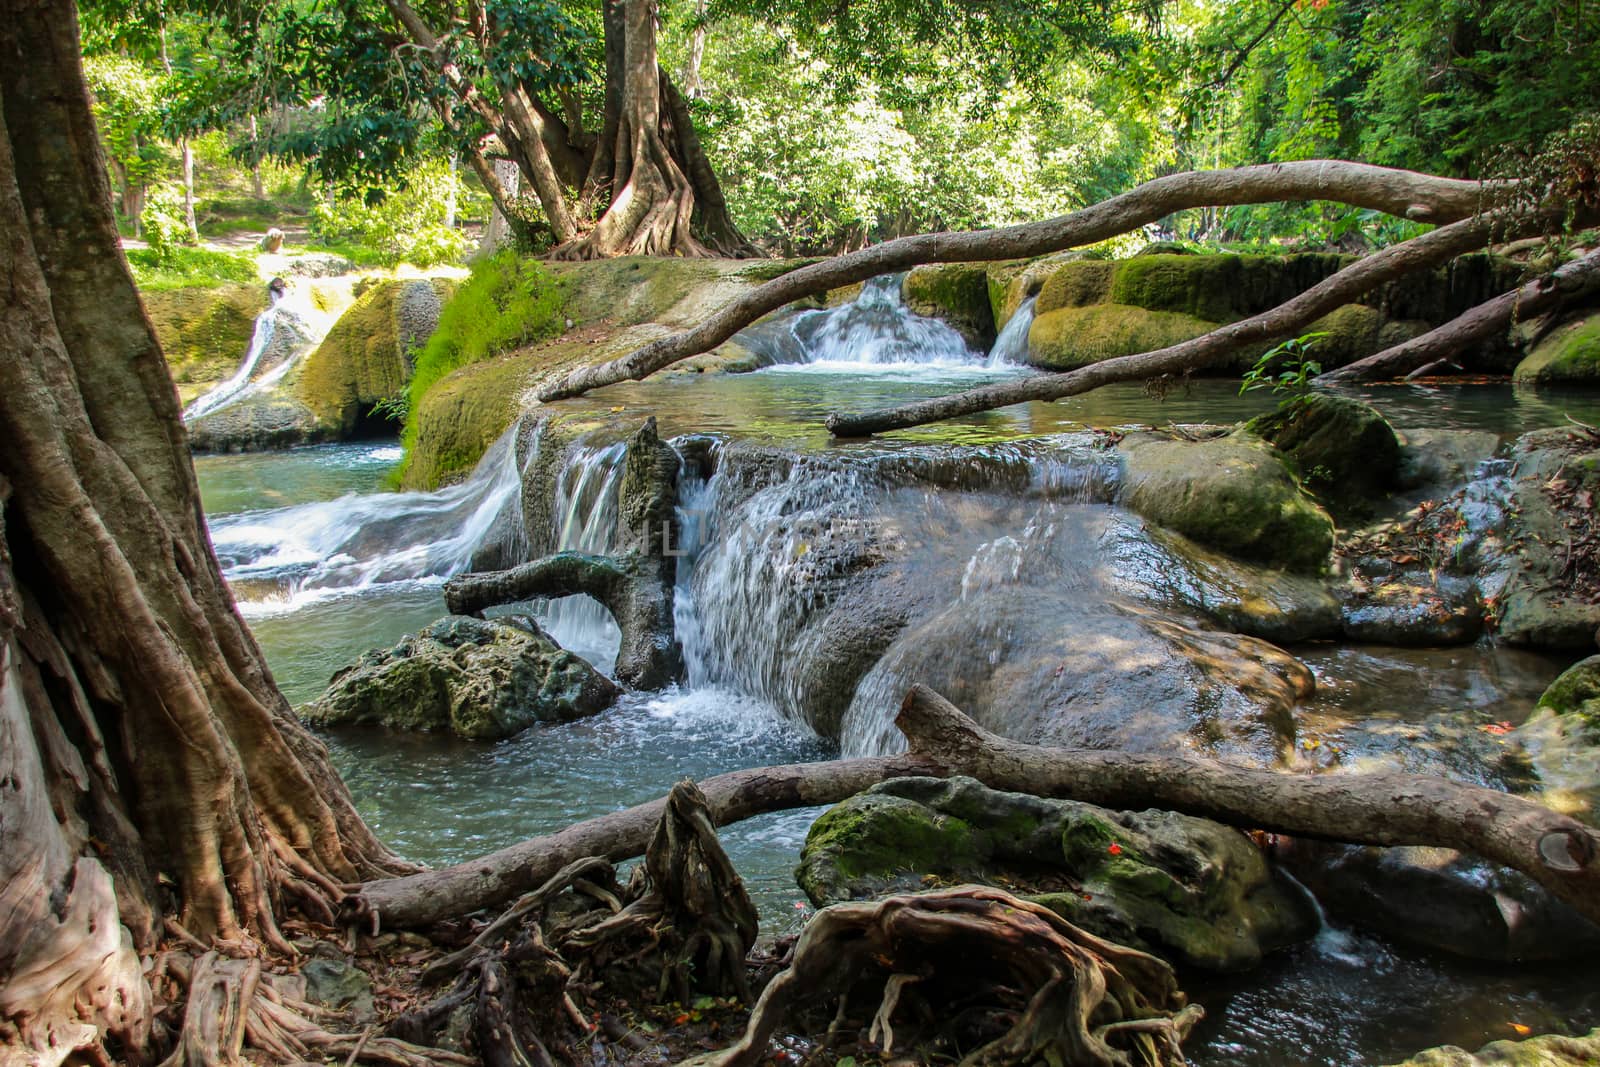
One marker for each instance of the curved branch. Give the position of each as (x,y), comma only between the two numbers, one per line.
(1559,852)
(1571,281)
(1420,197)
(1364,274)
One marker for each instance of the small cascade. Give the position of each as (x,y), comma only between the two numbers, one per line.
(583,516)
(1010,348)
(288,329)
(877,329)
(281,559)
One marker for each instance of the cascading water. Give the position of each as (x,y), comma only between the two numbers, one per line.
(280,559)
(584,519)
(875,330)
(1010,348)
(289,328)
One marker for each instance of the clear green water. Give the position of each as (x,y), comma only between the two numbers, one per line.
(1344,999)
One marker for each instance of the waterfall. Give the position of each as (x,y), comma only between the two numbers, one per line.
(1010,348)
(280,559)
(583,517)
(876,329)
(290,327)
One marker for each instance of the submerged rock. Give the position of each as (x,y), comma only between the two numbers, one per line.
(481,679)
(1196,892)
(1549,1050)
(1231,493)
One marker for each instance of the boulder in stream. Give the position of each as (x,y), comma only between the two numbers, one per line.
(1230,493)
(1548,1050)
(1199,893)
(481,679)
(1344,450)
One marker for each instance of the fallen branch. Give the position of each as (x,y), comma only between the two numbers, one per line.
(1407,194)
(1555,850)
(1364,274)
(1572,281)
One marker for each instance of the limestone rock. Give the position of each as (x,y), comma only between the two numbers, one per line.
(1196,892)
(481,679)
(1344,450)
(957,294)
(1233,494)
(1549,1050)
(1570,354)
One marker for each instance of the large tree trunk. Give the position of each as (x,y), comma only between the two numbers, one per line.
(1420,197)
(136,701)
(1555,850)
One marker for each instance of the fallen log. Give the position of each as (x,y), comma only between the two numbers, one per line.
(1571,281)
(1365,274)
(1407,194)
(1557,851)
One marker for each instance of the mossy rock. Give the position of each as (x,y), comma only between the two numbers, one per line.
(1345,451)
(1087,281)
(461,416)
(367,355)
(1577,693)
(1549,1050)
(1068,338)
(956,293)
(1218,288)
(1569,355)
(1194,891)
(1351,332)
(480,679)
(1233,494)
(204,333)
(1013,281)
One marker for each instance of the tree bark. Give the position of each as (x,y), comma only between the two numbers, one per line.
(1559,852)
(1570,282)
(165,749)
(1420,197)
(1364,274)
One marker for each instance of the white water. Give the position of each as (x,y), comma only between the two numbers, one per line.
(1010,348)
(876,332)
(285,331)
(285,558)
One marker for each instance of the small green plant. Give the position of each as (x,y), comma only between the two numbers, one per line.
(1285,370)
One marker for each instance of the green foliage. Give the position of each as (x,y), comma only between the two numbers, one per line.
(128,106)
(163,224)
(405,226)
(188,268)
(1286,371)
(505,303)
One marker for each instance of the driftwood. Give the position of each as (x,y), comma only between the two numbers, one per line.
(1058,994)
(1559,852)
(1570,282)
(1407,194)
(630,588)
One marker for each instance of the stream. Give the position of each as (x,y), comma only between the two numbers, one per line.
(1004,520)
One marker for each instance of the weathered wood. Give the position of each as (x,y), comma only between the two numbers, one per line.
(1570,282)
(1420,197)
(1367,273)
(1559,852)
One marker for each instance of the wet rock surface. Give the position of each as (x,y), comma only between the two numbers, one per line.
(1343,450)
(481,679)
(1196,892)
(1549,1050)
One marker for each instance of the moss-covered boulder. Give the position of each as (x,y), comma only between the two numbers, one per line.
(1577,692)
(1549,1050)
(1218,288)
(1232,493)
(957,294)
(367,356)
(1072,337)
(1193,891)
(1076,284)
(1344,450)
(479,679)
(204,333)
(1570,354)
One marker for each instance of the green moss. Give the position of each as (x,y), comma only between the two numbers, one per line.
(460,418)
(1233,494)
(1072,337)
(884,833)
(359,362)
(1076,284)
(1218,288)
(955,292)
(1570,354)
(1344,450)
(204,333)
(1577,693)
(1353,331)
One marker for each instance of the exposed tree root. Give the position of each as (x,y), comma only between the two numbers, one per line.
(1031,986)
(515,991)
